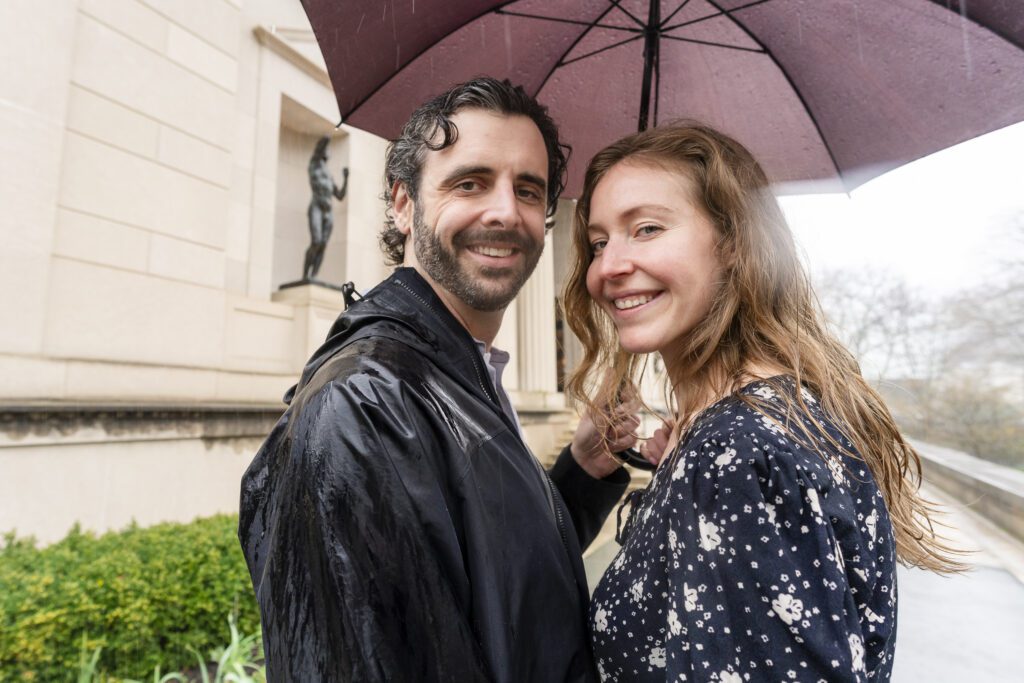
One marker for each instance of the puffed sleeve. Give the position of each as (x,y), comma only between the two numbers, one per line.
(348,586)
(757,585)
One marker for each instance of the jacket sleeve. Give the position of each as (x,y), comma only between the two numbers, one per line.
(348,585)
(589,500)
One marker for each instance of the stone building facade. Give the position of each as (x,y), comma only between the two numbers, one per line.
(154,199)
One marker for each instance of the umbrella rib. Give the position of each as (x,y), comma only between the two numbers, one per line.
(1002,34)
(569,49)
(713,44)
(599,50)
(562,20)
(792,85)
(628,13)
(719,13)
(675,12)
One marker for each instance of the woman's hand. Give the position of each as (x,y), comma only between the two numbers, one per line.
(655,447)
(592,446)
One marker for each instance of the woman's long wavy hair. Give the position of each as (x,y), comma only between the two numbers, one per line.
(763,313)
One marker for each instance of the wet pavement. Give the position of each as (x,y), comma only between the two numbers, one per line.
(960,629)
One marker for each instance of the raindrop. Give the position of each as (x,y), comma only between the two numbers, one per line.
(508,44)
(963,33)
(860,44)
(360,24)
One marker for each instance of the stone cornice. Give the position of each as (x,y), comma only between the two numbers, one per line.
(269,38)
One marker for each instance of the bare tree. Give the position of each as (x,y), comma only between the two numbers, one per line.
(952,369)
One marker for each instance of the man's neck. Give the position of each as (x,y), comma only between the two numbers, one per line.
(481,325)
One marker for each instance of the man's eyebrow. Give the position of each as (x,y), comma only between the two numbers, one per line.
(534,179)
(467,170)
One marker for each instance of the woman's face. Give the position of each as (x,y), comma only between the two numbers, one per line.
(655,266)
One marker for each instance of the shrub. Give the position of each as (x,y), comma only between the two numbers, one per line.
(147,596)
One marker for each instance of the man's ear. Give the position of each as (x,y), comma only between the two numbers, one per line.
(403,208)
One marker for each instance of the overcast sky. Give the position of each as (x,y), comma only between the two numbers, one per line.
(942,222)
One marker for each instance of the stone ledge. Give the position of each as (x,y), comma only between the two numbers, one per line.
(993,491)
(63,424)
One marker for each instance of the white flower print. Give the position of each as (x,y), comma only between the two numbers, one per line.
(729,677)
(709,538)
(637,591)
(726,458)
(690,597)
(812,498)
(765,392)
(657,657)
(872,617)
(788,608)
(672,539)
(872,523)
(857,652)
(770,510)
(836,468)
(808,396)
(673,623)
(680,471)
(600,620)
(770,425)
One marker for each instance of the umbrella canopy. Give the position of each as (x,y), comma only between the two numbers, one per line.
(819,90)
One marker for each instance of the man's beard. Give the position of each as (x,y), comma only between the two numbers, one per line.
(489,289)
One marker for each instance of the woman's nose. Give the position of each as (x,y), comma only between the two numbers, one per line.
(616,260)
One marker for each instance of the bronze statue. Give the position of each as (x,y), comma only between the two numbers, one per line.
(321,220)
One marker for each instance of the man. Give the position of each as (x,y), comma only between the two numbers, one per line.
(396,526)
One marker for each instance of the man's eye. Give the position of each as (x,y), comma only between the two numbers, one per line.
(467,185)
(530,194)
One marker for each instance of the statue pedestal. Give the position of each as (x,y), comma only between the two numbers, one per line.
(312,282)
(316,308)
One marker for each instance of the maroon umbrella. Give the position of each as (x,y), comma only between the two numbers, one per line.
(818,89)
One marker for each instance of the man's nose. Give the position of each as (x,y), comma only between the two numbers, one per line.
(502,207)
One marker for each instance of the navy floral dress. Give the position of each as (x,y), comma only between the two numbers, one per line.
(751,557)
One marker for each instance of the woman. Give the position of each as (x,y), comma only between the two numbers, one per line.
(764,548)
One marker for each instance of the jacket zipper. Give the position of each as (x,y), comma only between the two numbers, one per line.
(479,377)
(552,501)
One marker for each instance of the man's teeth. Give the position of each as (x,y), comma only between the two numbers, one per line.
(632,302)
(493,251)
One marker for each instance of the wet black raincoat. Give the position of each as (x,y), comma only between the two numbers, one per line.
(396,526)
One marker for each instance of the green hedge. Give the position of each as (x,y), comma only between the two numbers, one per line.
(144,594)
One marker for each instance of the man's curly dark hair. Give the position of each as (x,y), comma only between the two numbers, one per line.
(404,161)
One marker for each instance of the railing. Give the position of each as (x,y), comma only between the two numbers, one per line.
(994,491)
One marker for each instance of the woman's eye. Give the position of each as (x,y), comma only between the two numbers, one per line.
(597,246)
(646,230)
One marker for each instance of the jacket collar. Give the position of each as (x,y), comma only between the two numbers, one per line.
(406,308)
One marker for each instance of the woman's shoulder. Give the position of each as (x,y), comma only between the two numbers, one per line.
(763,427)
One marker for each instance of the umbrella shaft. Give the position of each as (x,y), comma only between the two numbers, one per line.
(652,33)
